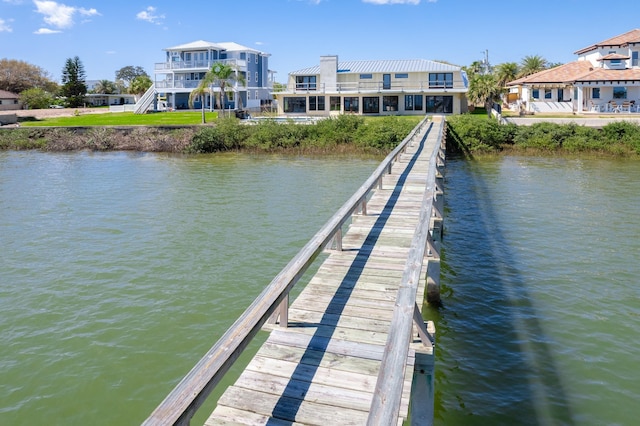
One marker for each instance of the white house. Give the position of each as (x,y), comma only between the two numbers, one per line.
(186,64)
(605,77)
(377,87)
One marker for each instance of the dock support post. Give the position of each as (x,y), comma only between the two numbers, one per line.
(422,389)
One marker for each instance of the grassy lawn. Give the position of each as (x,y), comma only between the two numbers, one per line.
(123,119)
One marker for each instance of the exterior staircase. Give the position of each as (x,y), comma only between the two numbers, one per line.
(146,101)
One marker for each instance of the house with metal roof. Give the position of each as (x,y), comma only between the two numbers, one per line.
(376,87)
(604,78)
(186,64)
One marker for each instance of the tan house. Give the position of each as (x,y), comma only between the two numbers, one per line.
(9,101)
(604,78)
(376,87)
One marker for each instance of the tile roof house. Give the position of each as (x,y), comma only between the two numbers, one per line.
(604,78)
(375,87)
(9,101)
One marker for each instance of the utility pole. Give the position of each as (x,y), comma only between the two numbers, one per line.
(485,62)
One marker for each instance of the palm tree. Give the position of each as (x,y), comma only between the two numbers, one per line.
(221,75)
(484,89)
(475,68)
(140,84)
(532,64)
(506,72)
(105,87)
(203,88)
(225,75)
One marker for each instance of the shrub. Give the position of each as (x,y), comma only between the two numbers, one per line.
(475,133)
(383,134)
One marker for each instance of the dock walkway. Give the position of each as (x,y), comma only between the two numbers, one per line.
(322,368)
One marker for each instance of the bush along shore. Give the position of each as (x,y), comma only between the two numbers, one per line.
(473,134)
(342,134)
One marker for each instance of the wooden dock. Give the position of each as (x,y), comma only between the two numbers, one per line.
(352,348)
(322,369)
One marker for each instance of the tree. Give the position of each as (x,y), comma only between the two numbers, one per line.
(73,82)
(140,84)
(531,65)
(225,75)
(484,89)
(203,88)
(475,68)
(18,76)
(105,87)
(129,73)
(506,72)
(36,98)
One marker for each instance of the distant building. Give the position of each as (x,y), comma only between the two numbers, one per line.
(186,64)
(377,87)
(604,78)
(9,101)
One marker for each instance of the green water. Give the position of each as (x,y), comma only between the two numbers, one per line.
(119,271)
(541,297)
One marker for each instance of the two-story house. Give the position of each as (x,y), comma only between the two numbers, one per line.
(377,87)
(605,77)
(185,65)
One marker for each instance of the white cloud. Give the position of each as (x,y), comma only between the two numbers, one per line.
(4,26)
(60,15)
(149,15)
(44,31)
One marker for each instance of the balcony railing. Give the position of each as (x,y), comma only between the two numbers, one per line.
(374,86)
(240,65)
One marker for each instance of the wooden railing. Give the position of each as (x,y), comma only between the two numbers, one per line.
(387,397)
(185,399)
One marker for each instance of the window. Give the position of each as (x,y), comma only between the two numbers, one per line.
(248,77)
(306,82)
(390,103)
(351,104)
(316,103)
(595,93)
(371,105)
(614,61)
(334,103)
(535,94)
(619,92)
(257,95)
(256,76)
(413,102)
(295,104)
(634,58)
(243,55)
(366,76)
(440,104)
(547,93)
(256,59)
(402,75)
(441,80)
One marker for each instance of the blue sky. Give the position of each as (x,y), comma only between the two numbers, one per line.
(109,34)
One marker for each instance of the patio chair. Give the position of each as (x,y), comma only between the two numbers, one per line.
(626,107)
(614,107)
(594,107)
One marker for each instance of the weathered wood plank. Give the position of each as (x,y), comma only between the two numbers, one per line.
(290,409)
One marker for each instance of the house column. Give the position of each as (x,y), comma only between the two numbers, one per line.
(580,99)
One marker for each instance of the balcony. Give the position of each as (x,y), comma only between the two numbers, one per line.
(376,87)
(240,65)
(187,84)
